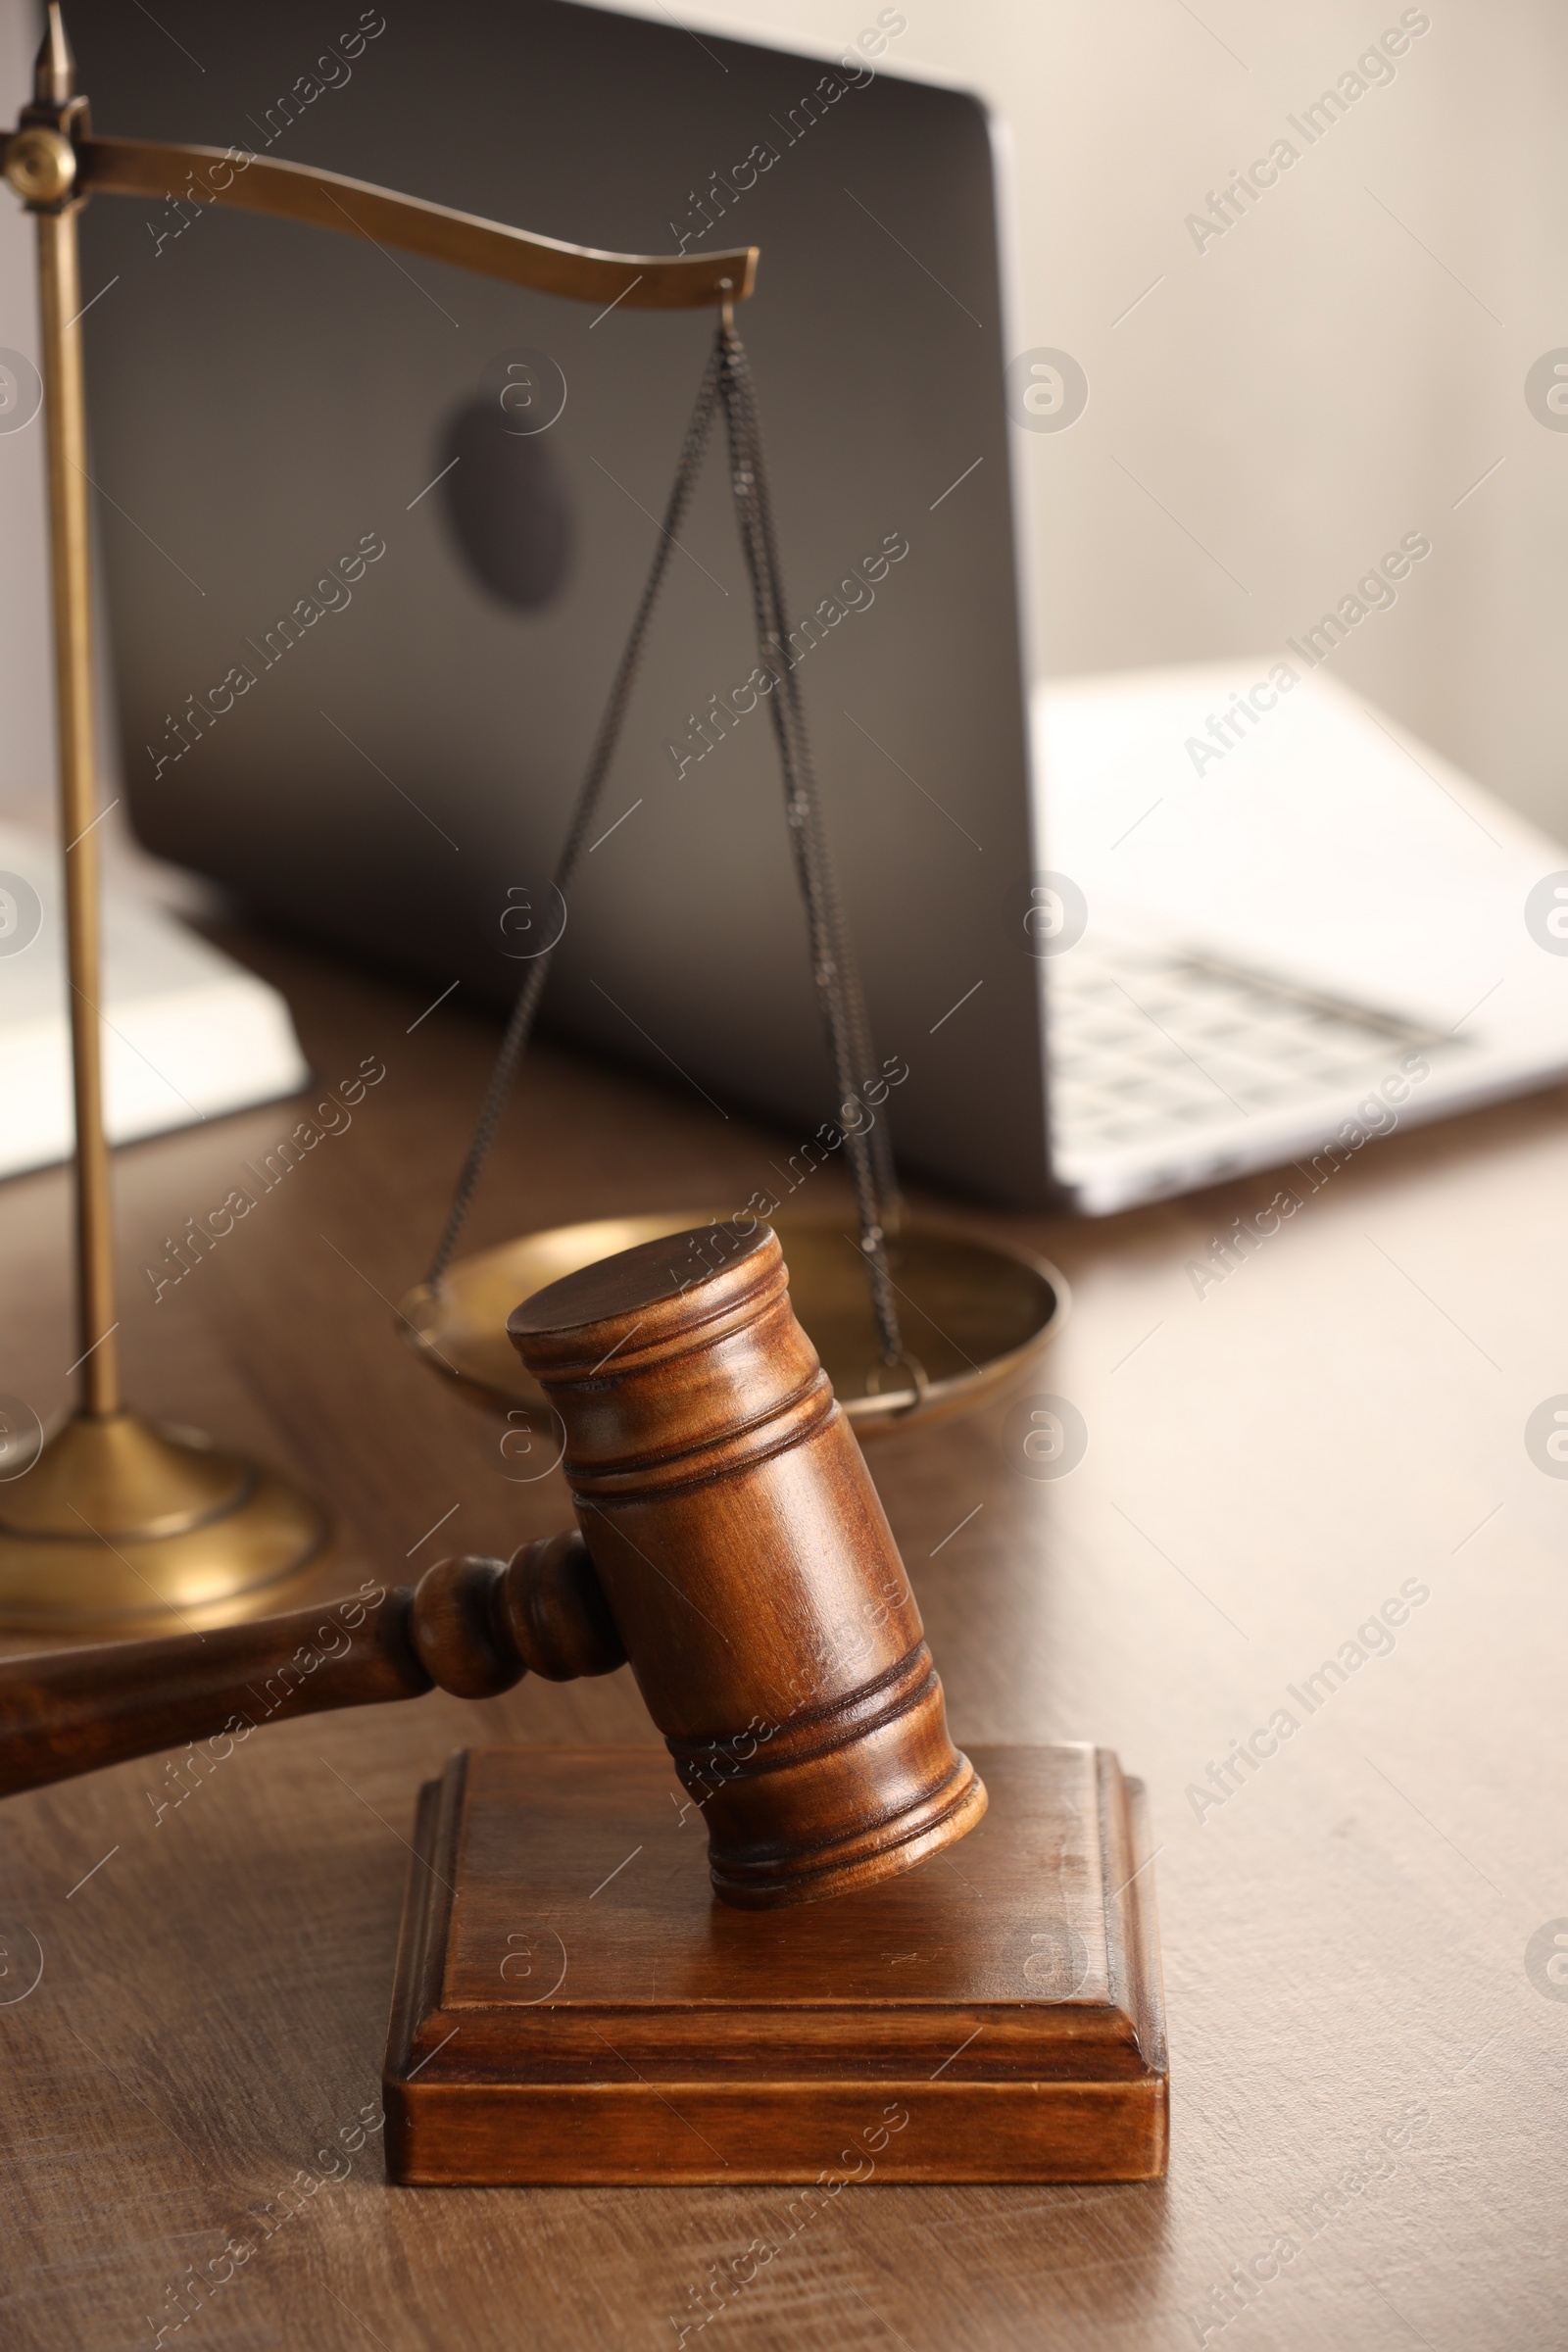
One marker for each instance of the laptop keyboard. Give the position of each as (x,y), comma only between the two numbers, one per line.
(1148,1044)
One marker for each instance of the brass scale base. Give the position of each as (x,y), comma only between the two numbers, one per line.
(120,1524)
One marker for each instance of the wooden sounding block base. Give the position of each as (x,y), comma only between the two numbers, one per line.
(572,2005)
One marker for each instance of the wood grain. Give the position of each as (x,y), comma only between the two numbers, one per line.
(1360,2063)
(749,1565)
(573,2006)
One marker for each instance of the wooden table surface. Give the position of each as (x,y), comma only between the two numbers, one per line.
(1367,2058)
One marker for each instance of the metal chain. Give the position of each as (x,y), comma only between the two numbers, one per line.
(833,964)
(727,378)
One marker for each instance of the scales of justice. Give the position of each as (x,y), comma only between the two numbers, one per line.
(730,1545)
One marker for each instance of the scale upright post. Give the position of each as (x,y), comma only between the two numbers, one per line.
(116,1523)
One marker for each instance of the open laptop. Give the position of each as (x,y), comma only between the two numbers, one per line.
(1322,934)
(290,427)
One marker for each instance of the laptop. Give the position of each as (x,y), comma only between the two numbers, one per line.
(1281,954)
(315,480)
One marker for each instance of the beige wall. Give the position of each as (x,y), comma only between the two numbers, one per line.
(1283,406)
(1314,383)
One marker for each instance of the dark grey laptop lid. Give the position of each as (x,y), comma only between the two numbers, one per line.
(269,403)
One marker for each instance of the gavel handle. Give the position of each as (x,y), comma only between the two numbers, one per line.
(473,1627)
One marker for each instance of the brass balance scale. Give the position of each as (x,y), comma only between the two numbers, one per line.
(113,1522)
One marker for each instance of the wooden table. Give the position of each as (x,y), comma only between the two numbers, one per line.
(1368,2144)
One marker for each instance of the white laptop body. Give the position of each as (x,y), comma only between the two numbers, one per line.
(1267,937)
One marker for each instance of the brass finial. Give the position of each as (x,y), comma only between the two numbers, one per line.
(54,75)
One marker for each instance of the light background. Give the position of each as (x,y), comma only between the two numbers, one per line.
(1340,368)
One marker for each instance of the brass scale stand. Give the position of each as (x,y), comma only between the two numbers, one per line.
(117,1521)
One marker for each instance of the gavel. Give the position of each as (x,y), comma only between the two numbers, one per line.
(730,1545)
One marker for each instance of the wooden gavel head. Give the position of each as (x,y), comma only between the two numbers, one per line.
(748,1566)
(732,1547)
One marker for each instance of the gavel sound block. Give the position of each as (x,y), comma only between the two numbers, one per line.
(572,2003)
